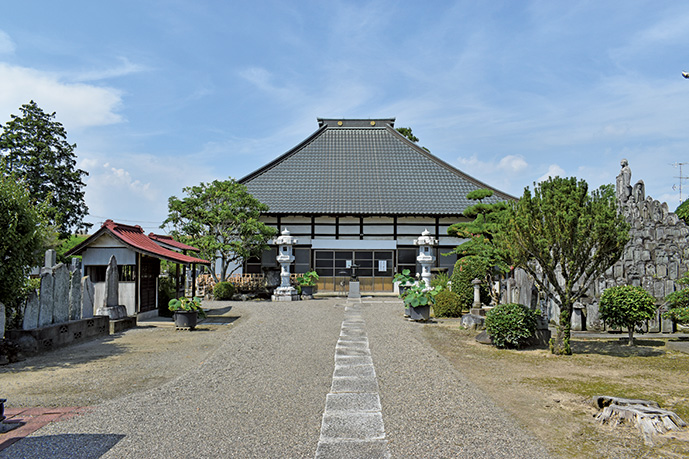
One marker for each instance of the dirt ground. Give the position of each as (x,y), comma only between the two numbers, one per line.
(550,395)
(112,366)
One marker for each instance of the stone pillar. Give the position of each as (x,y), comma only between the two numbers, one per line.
(75,296)
(60,294)
(87,297)
(110,306)
(50,258)
(285,292)
(45,313)
(425,257)
(31,312)
(477,292)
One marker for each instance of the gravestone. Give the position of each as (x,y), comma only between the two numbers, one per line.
(50,258)
(45,312)
(31,312)
(2,320)
(87,297)
(75,296)
(61,294)
(110,306)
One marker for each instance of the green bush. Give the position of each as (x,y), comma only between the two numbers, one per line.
(511,325)
(678,302)
(466,270)
(626,306)
(440,280)
(447,304)
(223,291)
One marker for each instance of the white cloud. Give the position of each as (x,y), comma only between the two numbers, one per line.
(77,104)
(553,171)
(125,67)
(513,163)
(6,44)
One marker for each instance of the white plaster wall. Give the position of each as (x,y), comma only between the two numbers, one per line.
(126,296)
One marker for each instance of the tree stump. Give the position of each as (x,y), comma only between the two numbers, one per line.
(645,414)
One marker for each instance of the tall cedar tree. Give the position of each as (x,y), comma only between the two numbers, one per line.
(35,149)
(221,218)
(572,236)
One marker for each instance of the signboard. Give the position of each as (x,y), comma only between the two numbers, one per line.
(349,264)
(382,265)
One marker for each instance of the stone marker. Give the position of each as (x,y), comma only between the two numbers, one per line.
(87,294)
(61,294)
(31,312)
(110,306)
(45,313)
(50,258)
(75,296)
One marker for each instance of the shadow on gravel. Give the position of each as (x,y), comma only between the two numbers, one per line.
(619,348)
(87,446)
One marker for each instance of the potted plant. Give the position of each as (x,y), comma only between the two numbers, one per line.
(419,298)
(186,311)
(405,280)
(306,282)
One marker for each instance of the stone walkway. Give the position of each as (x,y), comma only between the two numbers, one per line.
(274,389)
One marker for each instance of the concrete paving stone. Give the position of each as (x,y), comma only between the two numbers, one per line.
(353,339)
(354,384)
(348,351)
(350,332)
(366,371)
(352,426)
(351,345)
(349,449)
(352,402)
(353,360)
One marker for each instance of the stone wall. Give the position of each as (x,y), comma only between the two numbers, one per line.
(656,256)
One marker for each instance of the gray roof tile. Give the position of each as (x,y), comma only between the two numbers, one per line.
(360,168)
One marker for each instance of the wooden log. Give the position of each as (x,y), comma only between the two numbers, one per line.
(645,414)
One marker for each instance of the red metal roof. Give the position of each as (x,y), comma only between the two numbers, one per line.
(134,237)
(168,240)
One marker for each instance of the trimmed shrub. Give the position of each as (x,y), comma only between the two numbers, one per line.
(511,325)
(223,291)
(627,306)
(467,269)
(447,304)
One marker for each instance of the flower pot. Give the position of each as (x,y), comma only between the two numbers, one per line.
(307,290)
(185,319)
(407,310)
(421,312)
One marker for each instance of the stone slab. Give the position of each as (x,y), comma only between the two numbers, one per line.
(353,360)
(354,384)
(31,312)
(61,285)
(352,351)
(354,291)
(364,371)
(352,402)
(118,325)
(348,449)
(352,426)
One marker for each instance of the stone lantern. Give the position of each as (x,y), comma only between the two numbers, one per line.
(425,257)
(285,292)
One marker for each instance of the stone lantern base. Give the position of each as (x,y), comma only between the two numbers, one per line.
(285,294)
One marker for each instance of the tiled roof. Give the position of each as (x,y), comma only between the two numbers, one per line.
(362,167)
(166,240)
(134,237)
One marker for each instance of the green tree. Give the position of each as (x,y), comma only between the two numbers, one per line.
(21,240)
(406,131)
(221,218)
(565,238)
(35,148)
(678,302)
(626,306)
(682,211)
(481,232)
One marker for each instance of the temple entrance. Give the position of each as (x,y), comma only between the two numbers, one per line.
(375,269)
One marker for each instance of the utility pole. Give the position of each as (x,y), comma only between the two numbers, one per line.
(681,178)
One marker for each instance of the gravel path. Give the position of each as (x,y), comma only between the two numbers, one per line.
(262,393)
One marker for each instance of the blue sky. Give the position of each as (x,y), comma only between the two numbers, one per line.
(159,95)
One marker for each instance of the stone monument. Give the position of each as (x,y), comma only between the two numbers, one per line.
(285,292)
(110,306)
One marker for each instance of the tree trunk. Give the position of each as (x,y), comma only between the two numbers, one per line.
(560,345)
(630,329)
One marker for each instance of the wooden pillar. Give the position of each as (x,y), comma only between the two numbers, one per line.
(193,280)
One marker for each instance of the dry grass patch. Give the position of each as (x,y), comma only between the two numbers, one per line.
(549,395)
